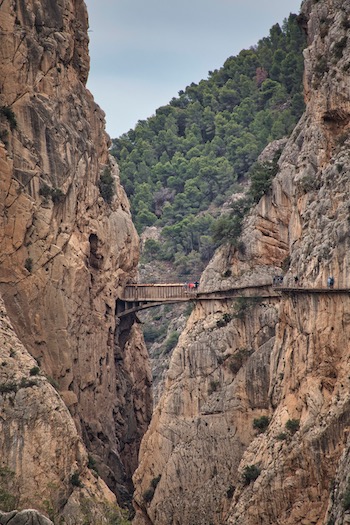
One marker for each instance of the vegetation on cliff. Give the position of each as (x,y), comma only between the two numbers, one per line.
(180,165)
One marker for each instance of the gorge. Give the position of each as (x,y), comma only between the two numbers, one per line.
(252,426)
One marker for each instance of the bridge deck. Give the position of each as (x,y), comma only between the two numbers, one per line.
(179,291)
(166,292)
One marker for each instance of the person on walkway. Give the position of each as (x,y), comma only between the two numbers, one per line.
(331,283)
(296,280)
(277,280)
(196,284)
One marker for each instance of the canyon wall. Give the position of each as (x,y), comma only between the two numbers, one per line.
(253,425)
(67,242)
(44,463)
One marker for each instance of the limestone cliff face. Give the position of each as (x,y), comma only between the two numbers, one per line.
(41,451)
(285,359)
(66,245)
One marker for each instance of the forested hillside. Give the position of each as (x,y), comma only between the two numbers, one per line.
(179,166)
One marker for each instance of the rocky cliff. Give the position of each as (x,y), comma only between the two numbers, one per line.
(67,243)
(253,425)
(44,463)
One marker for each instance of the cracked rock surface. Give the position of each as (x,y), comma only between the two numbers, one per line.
(66,251)
(286,360)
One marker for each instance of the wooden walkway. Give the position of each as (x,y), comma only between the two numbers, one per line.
(137,297)
(140,296)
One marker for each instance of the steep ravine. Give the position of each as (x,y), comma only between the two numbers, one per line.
(67,246)
(287,359)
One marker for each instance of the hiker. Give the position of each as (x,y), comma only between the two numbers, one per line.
(331,282)
(196,284)
(296,280)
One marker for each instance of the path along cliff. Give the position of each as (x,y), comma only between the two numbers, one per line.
(67,247)
(203,459)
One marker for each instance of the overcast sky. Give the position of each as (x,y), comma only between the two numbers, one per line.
(144,52)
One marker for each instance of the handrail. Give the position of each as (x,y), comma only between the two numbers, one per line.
(138,296)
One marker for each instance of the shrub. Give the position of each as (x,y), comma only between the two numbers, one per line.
(152,333)
(214,385)
(151,250)
(250,473)
(186,265)
(155,481)
(281,436)
(8,387)
(261,176)
(91,463)
(53,382)
(293,425)
(57,195)
(106,186)
(189,307)
(8,113)
(225,319)
(44,190)
(228,227)
(27,383)
(28,264)
(75,480)
(115,516)
(148,494)
(34,371)
(261,423)
(171,342)
(235,363)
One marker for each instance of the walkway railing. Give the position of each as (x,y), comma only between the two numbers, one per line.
(157,292)
(137,297)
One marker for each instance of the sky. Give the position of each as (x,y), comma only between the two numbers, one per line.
(144,52)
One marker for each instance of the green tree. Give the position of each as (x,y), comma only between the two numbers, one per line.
(195,151)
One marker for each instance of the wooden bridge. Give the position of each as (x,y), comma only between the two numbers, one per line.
(137,297)
(140,296)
